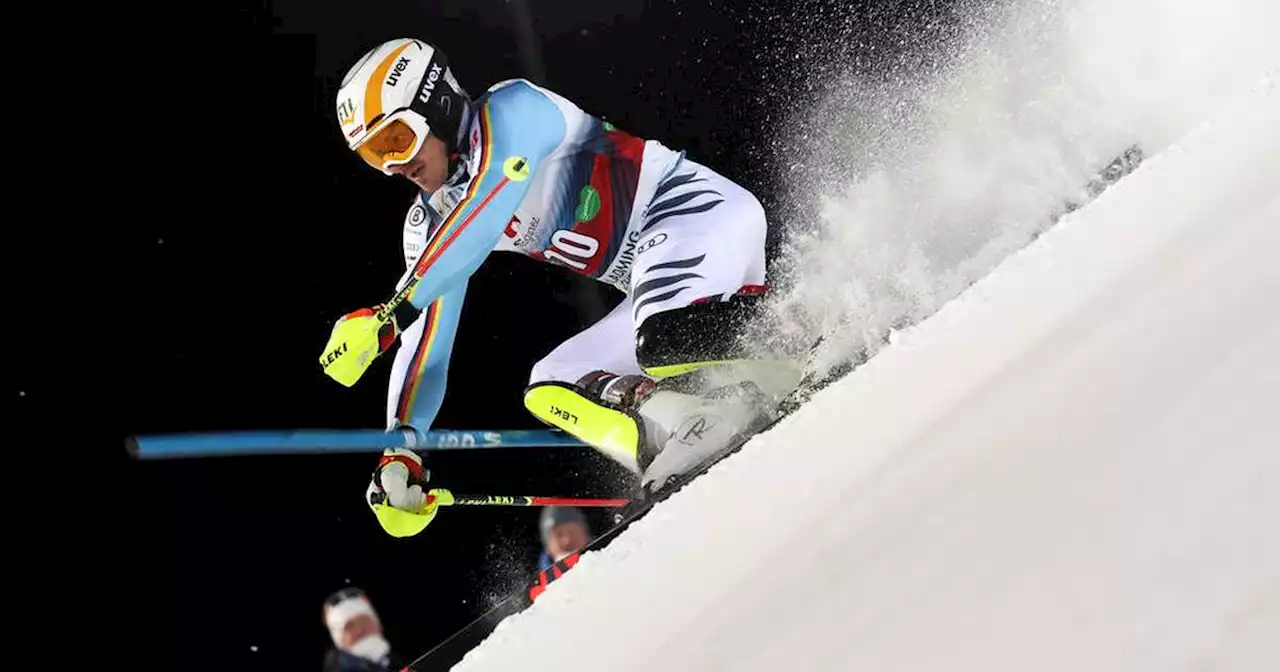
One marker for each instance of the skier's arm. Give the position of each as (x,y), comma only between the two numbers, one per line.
(519,129)
(397,492)
(421,367)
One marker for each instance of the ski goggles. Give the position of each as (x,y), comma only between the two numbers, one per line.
(395,141)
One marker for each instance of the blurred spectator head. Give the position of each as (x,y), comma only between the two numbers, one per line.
(564,530)
(353,624)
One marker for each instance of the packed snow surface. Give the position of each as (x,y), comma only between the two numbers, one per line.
(1074,465)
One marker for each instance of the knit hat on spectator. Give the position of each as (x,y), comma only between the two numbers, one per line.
(341,607)
(554,516)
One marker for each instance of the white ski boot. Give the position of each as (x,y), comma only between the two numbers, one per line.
(686,429)
(658,430)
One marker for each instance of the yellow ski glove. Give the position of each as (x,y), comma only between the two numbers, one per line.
(356,340)
(398,495)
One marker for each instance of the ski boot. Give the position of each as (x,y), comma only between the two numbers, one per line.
(688,429)
(656,430)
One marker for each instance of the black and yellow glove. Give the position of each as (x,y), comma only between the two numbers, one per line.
(397,496)
(356,340)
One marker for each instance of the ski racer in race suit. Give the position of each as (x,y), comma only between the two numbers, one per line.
(522,169)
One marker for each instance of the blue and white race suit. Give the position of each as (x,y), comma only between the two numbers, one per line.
(538,176)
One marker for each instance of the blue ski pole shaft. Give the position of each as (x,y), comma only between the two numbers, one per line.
(296,441)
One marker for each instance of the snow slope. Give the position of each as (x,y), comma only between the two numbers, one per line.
(1075,465)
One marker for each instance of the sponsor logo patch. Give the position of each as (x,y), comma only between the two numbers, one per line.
(346,112)
(397,71)
(652,243)
(588,204)
(429,82)
(417,215)
(516,168)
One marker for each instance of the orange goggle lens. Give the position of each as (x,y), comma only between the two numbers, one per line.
(394,143)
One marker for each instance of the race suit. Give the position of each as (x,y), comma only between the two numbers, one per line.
(538,176)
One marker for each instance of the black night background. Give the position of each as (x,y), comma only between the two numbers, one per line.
(250,252)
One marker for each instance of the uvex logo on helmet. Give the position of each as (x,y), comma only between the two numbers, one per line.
(398,70)
(429,82)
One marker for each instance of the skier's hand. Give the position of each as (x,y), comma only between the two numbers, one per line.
(356,340)
(394,479)
(398,496)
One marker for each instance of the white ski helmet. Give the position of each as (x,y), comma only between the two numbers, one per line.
(394,96)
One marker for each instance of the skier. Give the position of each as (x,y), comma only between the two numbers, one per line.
(522,169)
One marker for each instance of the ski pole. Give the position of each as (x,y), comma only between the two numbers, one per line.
(289,441)
(447,498)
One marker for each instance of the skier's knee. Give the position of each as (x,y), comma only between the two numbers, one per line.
(746,213)
(676,341)
(557,366)
(542,371)
(753,212)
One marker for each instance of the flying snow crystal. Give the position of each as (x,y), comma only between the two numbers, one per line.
(919,181)
(253,649)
